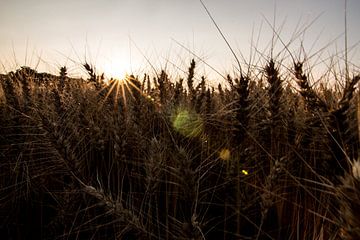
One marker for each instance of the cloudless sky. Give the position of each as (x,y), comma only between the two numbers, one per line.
(118,36)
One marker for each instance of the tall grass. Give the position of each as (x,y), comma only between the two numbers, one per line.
(84,159)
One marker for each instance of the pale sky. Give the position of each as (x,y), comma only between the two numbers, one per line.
(118,36)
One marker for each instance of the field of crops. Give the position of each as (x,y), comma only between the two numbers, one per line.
(269,155)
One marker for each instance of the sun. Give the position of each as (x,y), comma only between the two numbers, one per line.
(119,79)
(117,69)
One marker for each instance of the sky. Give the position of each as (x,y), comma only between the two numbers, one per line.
(133,36)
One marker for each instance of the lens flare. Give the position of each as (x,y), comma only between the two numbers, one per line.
(224,154)
(187,123)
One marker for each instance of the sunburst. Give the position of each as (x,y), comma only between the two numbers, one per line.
(122,88)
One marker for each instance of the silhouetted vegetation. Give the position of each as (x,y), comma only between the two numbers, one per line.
(269,157)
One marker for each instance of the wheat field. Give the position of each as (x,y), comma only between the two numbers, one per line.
(261,156)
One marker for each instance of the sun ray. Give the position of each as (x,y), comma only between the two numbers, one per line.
(122,88)
(123,95)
